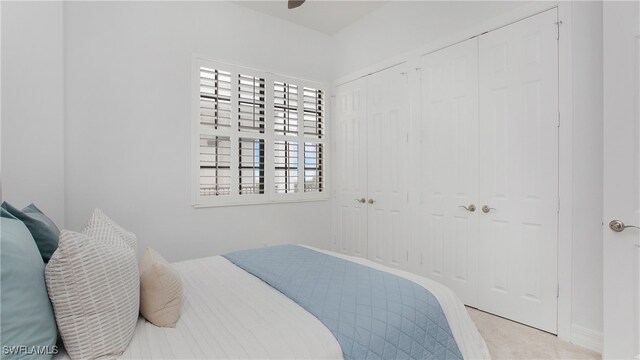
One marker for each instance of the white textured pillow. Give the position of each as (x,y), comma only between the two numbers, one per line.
(94,286)
(160,290)
(99,219)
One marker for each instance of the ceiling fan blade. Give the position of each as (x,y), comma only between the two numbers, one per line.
(294,3)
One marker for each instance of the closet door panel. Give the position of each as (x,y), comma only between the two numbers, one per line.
(388,115)
(450,168)
(350,175)
(519,171)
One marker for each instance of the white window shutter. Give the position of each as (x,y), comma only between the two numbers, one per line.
(251,103)
(260,137)
(313,167)
(215,98)
(313,112)
(285,104)
(215,160)
(286,166)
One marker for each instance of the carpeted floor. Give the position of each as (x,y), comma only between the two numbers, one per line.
(510,340)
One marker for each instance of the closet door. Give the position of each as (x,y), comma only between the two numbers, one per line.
(519,171)
(388,120)
(350,169)
(449,250)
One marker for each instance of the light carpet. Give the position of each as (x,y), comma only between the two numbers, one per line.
(511,340)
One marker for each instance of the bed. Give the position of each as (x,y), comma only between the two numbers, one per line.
(230,313)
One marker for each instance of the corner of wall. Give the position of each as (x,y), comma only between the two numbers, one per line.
(32,53)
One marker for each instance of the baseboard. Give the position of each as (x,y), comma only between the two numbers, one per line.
(587,338)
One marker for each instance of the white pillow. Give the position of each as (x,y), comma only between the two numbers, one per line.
(94,286)
(99,219)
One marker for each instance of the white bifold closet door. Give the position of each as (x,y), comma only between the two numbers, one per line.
(449,245)
(490,170)
(387,143)
(371,117)
(350,169)
(518,154)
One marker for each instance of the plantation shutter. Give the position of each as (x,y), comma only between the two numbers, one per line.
(286,164)
(285,103)
(313,112)
(260,137)
(313,151)
(215,98)
(313,167)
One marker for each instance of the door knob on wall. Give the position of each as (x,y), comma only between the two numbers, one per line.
(619,226)
(486,209)
(470,208)
(371,201)
(361,200)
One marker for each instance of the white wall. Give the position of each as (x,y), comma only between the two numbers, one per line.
(400,28)
(587,173)
(127,133)
(32,159)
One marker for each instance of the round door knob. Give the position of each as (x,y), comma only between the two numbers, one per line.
(470,208)
(371,201)
(616,225)
(486,209)
(619,226)
(361,200)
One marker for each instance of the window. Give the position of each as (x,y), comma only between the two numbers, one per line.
(258,137)
(312,167)
(285,103)
(286,166)
(215,161)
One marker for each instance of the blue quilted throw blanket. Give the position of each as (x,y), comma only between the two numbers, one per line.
(372,314)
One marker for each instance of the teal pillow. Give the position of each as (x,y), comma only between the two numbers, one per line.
(26,317)
(5,214)
(44,230)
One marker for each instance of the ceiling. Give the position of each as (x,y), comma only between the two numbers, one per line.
(325,16)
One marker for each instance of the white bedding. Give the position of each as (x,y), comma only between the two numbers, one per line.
(229,313)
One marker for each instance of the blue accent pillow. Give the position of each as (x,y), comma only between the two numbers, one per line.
(27,317)
(44,230)
(5,214)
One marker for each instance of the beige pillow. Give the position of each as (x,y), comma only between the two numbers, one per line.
(160,290)
(94,286)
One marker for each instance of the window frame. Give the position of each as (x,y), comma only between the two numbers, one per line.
(269,136)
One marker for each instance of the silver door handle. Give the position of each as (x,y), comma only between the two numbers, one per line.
(371,201)
(470,208)
(619,226)
(486,209)
(361,200)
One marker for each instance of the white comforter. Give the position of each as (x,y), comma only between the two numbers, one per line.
(229,313)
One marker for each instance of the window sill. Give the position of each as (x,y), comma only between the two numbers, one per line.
(254,203)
